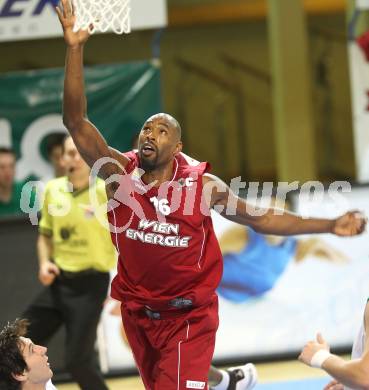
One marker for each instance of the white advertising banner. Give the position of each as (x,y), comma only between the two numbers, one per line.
(359,72)
(358,51)
(363,4)
(34,19)
(285,290)
(277,292)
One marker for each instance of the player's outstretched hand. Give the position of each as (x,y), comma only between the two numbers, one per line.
(311,348)
(67,19)
(350,224)
(334,385)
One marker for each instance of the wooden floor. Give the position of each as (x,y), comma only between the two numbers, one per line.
(268,372)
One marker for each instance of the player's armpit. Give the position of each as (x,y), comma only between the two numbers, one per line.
(119,157)
(215,192)
(223,200)
(114,180)
(103,160)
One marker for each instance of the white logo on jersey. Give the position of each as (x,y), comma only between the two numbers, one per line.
(164,234)
(159,227)
(186,182)
(195,385)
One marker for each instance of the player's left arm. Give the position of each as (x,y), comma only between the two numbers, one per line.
(219,196)
(352,373)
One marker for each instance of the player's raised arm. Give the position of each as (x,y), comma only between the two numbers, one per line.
(90,143)
(268,221)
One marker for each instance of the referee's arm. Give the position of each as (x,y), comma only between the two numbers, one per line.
(47,269)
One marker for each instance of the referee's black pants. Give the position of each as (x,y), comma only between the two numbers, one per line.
(75,300)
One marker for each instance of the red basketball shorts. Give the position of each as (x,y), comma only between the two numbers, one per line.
(173,353)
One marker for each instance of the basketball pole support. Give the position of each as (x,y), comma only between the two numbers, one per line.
(292,92)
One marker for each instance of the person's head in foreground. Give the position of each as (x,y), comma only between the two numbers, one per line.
(23,365)
(159,141)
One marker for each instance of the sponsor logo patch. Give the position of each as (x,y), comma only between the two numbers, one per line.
(180,302)
(195,385)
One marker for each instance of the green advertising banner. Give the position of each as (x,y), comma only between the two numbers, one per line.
(120,97)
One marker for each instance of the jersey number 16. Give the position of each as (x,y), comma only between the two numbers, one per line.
(161,205)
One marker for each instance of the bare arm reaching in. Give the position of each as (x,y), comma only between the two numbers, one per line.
(353,373)
(89,141)
(284,223)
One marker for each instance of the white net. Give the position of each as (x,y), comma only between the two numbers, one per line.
(102,16)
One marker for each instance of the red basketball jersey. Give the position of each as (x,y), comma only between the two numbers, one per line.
(169,256)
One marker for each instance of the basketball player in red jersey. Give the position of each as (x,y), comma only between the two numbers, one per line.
(170,263)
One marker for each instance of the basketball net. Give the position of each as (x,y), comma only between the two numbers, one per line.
(102,16)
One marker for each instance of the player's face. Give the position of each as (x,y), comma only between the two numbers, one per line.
(7,169)
(38,369)
(159,141)
(72,160)
(57,161)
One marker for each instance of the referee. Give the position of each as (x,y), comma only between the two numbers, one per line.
(75,255)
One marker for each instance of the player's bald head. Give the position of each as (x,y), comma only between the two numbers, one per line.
(170,121)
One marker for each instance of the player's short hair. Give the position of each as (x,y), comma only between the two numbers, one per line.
(53,141)
(11,358)
(6,150)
